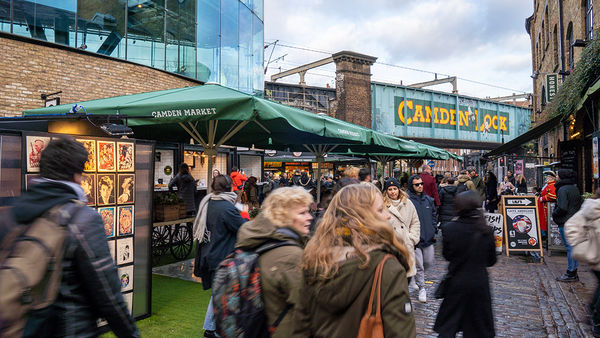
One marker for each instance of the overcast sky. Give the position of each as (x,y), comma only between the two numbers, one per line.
(480,40)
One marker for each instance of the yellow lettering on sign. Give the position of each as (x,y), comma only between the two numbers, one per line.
(444,116)
(494,122)
(427,114)
(401,111)
(502,121)
(452,117)
(435,114)
(418,114)
(463,118)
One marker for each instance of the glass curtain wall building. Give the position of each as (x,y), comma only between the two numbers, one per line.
(210,40)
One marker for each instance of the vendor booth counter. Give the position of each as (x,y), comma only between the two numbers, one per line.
(117,180)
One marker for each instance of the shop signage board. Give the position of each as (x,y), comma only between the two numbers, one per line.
(495,221)
(521,224)
(554,240)
(595,165)
(551,85)
(415,112)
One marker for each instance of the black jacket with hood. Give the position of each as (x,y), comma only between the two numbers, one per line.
(426,210)
(90,287)
(568,199)
(446,210)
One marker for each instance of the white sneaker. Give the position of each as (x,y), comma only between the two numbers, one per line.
(412,285)
(422,295)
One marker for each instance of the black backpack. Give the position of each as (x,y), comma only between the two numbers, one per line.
(461,187)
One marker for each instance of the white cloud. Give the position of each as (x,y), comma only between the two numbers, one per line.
(473,39)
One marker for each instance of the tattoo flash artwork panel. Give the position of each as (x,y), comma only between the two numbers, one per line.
(90,146)
(88,183)
(35,146)
(125,157)
(125,188)
(106,156)
(106,189)
(108,218)
(124,250)
(126,277)
(125,219)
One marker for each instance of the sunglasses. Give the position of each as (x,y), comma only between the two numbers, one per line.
(417,184)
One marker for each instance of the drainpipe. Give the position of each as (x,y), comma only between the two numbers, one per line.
(561,34)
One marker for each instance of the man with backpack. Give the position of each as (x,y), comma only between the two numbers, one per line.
(54,227)
(464,182)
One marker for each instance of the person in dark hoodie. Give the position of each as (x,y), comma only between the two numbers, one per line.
(215,227)
(284,216)
(339,264)
(469,247)
(305,181)
(568,202)
(424,254)
(186,188)
(90,288)
(447,194)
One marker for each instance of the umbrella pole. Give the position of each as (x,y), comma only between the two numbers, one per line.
(210,152)
(318,180)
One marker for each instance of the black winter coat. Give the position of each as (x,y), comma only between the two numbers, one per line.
(223,221)
(446,210)
(90,288)
(186,190)
(568,201)
(426,210)
(468,244)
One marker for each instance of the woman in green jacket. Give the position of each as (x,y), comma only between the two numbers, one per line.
(339,263)
(284,217)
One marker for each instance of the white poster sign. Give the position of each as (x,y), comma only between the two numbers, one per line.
(495,221)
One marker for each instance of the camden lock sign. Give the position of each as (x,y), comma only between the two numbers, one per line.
(421,113)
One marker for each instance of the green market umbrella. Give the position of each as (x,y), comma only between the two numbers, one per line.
(213,115)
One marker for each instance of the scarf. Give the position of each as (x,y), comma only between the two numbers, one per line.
(199,231)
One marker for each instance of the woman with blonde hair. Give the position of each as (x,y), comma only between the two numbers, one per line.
(283,222)
(404,220)
(339,265)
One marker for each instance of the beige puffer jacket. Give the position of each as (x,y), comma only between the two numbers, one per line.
(405,222)
(583,233)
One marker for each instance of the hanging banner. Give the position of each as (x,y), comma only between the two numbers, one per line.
(519,167)
(521,225)
(551,85)
(495,221)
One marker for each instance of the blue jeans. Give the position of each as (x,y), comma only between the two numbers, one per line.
(209,319)
(571,262)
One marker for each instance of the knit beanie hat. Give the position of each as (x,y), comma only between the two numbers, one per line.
(391,182)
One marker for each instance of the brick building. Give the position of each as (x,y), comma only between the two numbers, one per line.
(560,32)
(31,69)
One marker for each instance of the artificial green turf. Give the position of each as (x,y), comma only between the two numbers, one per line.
(178,309)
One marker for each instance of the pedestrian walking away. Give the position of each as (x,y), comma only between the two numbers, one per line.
(284,216)
(89,287)
(404,220)
(468,246)
(491,192)
(426,210)
(215,229)
(583,233)
(447,210)
(568,202)
(464,182)
(186,188)
(521,184)
(339,265)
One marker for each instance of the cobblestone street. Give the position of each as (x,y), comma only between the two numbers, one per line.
(527,300)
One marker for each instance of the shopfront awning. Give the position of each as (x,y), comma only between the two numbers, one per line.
(532,134)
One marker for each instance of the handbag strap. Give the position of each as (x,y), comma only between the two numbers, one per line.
(377,287)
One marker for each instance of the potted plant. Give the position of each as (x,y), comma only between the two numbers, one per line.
(166,206)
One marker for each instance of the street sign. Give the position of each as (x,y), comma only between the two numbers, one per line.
(431,163)
(495,221)
(521,224)
(551,85)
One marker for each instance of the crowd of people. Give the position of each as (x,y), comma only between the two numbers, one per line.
(321,265)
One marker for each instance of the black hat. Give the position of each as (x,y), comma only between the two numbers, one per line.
(391,182)
(566,174)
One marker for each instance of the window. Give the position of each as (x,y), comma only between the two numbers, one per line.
(145,33)
(570,44)
(181,37)
(208,40)
(47,20)
(229,43)
(547,31)
(101,27)
(589,19)
(543,97)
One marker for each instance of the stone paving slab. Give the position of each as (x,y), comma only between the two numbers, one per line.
(527,300)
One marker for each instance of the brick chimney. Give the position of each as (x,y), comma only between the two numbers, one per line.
(353,87)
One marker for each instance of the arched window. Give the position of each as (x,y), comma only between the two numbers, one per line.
(569,39)
(547,31)
(543,97)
